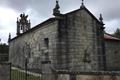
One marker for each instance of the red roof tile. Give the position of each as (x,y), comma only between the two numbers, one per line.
(110,37)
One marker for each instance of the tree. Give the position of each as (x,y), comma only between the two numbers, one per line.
(4,52)
(3,48)
(117,33)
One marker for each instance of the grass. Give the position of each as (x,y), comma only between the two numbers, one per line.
(17,75)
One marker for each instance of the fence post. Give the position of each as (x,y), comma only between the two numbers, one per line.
(26,69)
(10,70)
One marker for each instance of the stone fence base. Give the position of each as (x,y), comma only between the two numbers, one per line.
(97,77)
(90,76)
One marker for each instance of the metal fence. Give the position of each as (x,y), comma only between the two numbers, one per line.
(18,74)
(12,73)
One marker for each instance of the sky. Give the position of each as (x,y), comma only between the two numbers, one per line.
(40,10)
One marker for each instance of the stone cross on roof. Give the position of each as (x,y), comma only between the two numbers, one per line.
(82,2)
(56,11)
(82,6)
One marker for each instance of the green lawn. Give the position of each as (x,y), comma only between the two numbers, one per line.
(17,75)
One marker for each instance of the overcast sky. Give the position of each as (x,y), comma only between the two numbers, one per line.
(40,10)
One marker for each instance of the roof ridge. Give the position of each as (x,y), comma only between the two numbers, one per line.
(90,13)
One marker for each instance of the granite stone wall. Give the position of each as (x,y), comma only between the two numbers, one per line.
(81,48)
(113,55)
(33,46)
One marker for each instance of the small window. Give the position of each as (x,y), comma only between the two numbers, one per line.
(46,45)
(46,42)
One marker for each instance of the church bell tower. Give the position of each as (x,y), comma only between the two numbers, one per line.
(23,24)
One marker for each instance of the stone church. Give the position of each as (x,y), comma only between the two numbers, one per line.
(75,41)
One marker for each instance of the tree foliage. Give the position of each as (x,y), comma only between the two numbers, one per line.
(3,48)
(117,33)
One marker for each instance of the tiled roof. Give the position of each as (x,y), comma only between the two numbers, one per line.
(110,37)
